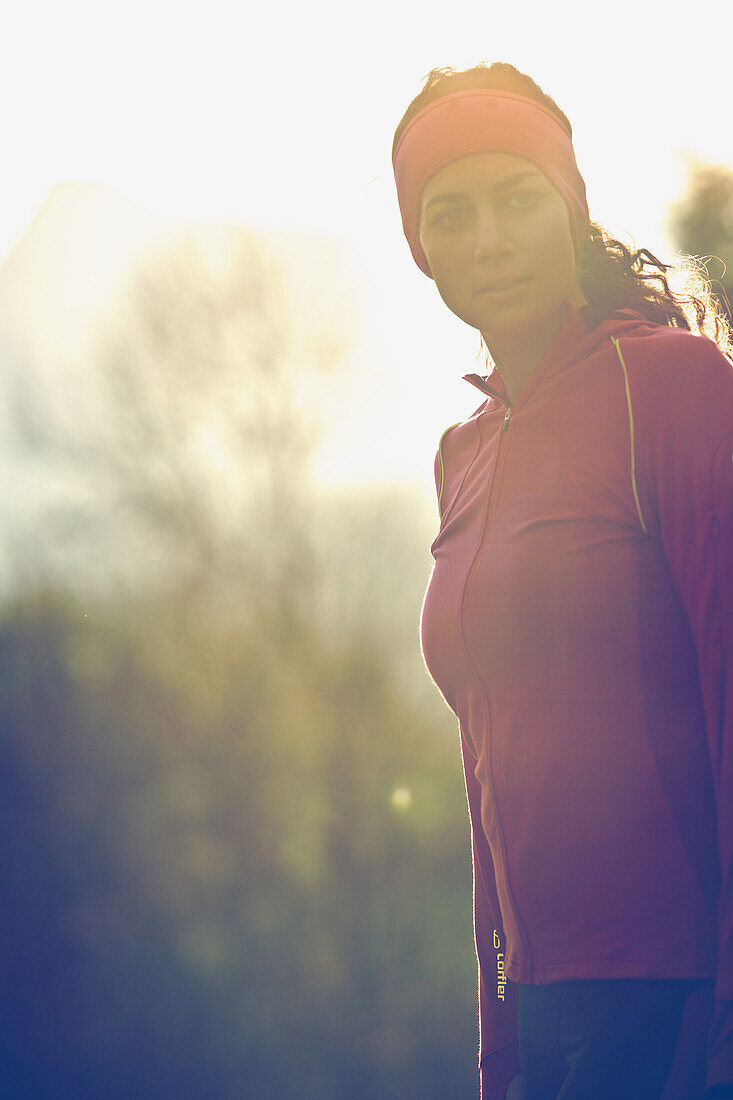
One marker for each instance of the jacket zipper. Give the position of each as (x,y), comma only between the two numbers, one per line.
(464,604)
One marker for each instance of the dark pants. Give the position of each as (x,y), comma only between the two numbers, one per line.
(602,1040)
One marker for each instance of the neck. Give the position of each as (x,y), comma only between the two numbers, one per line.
(516,354)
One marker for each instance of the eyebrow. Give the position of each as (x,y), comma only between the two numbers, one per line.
(503,185)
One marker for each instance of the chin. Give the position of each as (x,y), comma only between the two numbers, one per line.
(514,318)
(526,317)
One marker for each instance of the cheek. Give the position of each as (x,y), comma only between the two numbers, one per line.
(556,257)
(450,273)
(441,256)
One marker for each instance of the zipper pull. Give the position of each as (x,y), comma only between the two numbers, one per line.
(508,413)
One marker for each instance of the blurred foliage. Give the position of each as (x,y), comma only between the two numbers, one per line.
(701,225)
(212,891)
(184,447)
(236,855)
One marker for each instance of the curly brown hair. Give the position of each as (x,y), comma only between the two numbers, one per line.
(612,275)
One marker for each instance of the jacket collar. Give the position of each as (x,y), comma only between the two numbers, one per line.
(582,332)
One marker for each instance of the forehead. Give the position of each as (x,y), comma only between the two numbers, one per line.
(478,173)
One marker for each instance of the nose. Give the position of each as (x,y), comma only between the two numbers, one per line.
(491,239)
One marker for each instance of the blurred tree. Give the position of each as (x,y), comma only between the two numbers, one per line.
(187,444)
(372,549)
(182,456)
(236,850)
(702,225)
(224,878)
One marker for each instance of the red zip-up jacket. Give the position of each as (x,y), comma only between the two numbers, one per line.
(578,622)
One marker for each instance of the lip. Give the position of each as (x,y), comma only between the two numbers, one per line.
(504,286)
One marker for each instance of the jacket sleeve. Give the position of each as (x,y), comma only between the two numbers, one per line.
(683,411)
(498,1003)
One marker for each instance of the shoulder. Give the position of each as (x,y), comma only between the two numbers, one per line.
(457,434)
(680,391)
(679,384)
(456,444)
(440,458)
(669,357)
(453,431)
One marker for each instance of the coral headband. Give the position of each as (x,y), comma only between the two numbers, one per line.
(477,121)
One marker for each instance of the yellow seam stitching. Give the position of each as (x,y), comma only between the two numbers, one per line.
(631,431)
(442,468)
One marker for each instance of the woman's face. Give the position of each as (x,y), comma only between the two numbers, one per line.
(498,240)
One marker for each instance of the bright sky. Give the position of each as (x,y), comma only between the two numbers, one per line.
(282,115)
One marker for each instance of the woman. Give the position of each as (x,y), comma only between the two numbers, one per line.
(578,616)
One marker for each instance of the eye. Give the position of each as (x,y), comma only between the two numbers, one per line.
(523,199)
(451,217)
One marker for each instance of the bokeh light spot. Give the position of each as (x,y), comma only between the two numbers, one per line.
(401,798)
